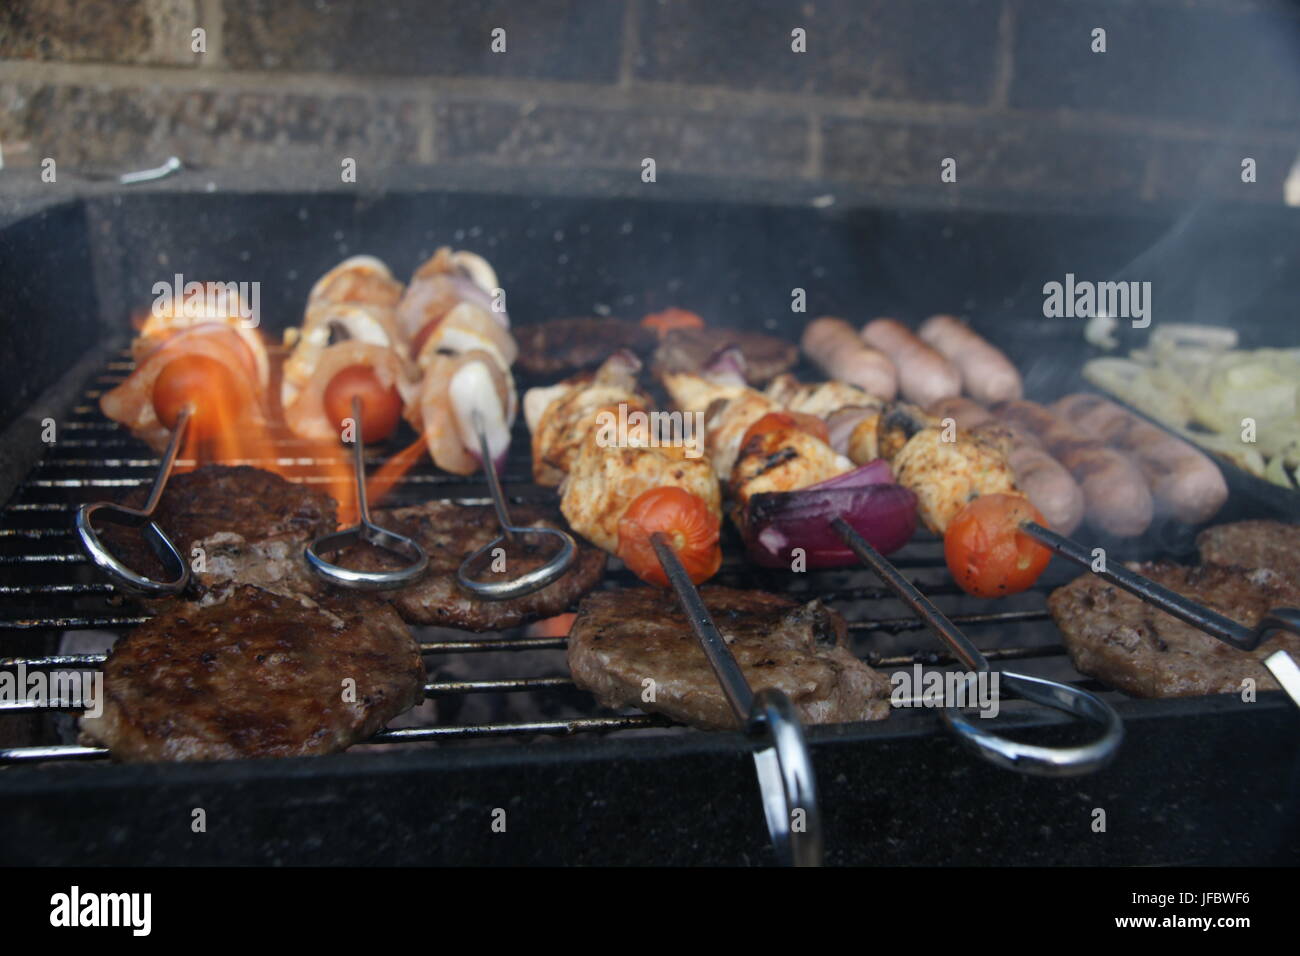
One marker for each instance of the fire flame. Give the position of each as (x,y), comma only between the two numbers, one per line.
(245,425)
(225,430)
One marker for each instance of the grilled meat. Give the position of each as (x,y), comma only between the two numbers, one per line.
(622,638)
(563,417)
(1254,544)
(251,525)
(564,346)
(689,350)
(1120,639)
(604,481)
(257,675)
(822,399)
(782,459)
(449,533)
(945,475)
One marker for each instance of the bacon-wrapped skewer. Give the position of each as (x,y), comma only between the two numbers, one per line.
(349,346)
(460,341)
(188,351)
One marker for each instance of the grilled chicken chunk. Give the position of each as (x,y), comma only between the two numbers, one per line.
(251,526)
(564,346)
(944,475)
(257,675)
(782,459)
(1254,544)
(818,398)
(563,417)
(604,481)
(1122,640)
(621,639)
(449,533)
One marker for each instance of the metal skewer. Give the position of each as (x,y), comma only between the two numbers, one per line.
(782,762)
(369,532)
(1003,751)
(172,561)
(1211,622)
(535,580)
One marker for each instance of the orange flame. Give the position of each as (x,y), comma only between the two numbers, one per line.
(225,430)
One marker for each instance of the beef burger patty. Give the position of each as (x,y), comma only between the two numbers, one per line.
(621,638)
(257,675)
(1118,638)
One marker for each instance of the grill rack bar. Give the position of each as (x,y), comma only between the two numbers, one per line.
(52,489)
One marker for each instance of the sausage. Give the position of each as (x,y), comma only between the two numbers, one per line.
(1040,476)
(1187,484)
(1117,496)
(833,345)
(987,375)
(924,376)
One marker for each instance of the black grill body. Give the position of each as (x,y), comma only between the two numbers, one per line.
(1209,780)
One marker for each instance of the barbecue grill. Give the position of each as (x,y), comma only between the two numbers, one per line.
(1202,780)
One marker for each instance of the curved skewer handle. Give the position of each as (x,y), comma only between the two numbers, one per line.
(173,562)
(503,589)
(369,532)
(1003,751)
(782,760)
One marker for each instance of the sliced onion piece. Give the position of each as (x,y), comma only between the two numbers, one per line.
(779,522)
(473,394)
(726,367)
(875,472)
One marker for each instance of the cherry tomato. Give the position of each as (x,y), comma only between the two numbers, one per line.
(987,552)
(691,528)
(381,408)
(668,319)
(199,380)
(782,421)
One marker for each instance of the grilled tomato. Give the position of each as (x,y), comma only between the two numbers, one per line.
(782,421)
(987,552)
(381,408)
(206,384)
(668,319)
(691,529)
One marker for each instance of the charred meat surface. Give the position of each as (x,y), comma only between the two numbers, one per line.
(257,675)
(689,350)
(622,638)
(1254,544)
(251,525)
(449,533)
(560,347)
(1120,639)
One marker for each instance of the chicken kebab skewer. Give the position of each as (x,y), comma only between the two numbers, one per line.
(659,509)
(779,450)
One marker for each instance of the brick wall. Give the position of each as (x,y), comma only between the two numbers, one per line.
(886,90)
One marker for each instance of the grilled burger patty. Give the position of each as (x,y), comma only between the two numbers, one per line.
(621,638)
(251,524)
(689,350)
(1253,544)
(450,533)
(1119,639)
(560,347)
(257,675)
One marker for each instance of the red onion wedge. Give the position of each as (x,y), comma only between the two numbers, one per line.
(875,472)
(779,522)
(726,367)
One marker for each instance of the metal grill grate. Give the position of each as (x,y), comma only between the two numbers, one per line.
(50,588)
